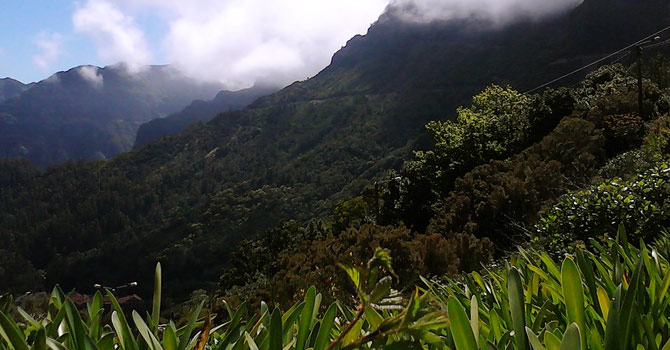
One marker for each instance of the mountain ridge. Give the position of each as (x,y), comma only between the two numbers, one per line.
(90,112)
(199,111)
(10,88)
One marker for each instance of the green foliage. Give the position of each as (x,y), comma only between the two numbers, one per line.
(614,297)
(640,205)
(657,69)
(187,200)
(315,262)
(353,212)
(494,126)
(657,142)
(65,327)
(498,200)
(572,303)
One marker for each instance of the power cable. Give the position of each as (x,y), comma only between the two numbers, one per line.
(625,55)
(598,61)
(662,43)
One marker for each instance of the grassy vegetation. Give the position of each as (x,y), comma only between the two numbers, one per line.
(614,296)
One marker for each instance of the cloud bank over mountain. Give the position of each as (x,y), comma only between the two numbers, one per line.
(236,42)
(117,37)
(242,42)
(496,12)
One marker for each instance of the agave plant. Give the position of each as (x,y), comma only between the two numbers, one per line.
(613,297)
(382,319)
(65,327)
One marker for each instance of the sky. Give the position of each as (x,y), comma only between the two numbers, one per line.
(234,42)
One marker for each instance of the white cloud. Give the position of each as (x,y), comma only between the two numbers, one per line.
(117,37)
(239,42)
(91,75)
(50,47)
(497,12)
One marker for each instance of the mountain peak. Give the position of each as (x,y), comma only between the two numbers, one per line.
(10,88)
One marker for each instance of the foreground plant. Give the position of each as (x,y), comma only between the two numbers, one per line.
(613,298)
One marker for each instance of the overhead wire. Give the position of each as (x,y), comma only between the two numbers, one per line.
(637,43)
(625,55)
(662,43)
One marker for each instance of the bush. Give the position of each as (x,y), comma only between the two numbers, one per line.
(498,199)
(316,262)
(640,205)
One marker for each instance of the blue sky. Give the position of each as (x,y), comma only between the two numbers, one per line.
(24,22)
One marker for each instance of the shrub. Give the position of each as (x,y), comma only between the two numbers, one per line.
(641,205)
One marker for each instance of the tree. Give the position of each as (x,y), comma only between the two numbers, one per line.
(496,125)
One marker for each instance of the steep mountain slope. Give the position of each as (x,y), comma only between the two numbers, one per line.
(90,112)
(186,199)
(11,88)
(199,111)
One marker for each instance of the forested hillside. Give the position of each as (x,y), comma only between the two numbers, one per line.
(90,112)
(199,111)
(475,186)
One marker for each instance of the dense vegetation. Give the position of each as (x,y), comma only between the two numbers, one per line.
(571,176)
(614,297)
(310,153)
(458,206)
(199,111)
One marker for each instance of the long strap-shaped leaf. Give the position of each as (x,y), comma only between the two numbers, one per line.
(121,325)
(306,318)
(275,331)
(533,340)
(461,330)
(612,330)
(11,333)
(628,307)
(572,338)
(40,341)
(185,338)
(156,302)
(323,337)
(146,333)
(573,292)
(516,305)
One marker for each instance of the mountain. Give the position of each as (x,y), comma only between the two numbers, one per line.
(90,113)
(11,88)
(199,111)
(186,200)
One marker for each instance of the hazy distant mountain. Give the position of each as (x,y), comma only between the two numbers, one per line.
(11,88)
(90,112)
(186,200)
(199,111)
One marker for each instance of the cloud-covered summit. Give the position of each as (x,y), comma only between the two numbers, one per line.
(495,12)
(242,42)
(116,35)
